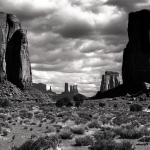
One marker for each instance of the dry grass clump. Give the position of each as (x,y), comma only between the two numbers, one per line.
(84,141)
(104,141)
(3,117)
(78,129)
(94,124)
(85,115)
(132,133)
(46,142)
(63,113)
(25,114)
(66,133)
(144,139)
(79,120)
(111,145)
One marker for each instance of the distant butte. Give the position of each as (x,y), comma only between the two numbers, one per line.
(110,80)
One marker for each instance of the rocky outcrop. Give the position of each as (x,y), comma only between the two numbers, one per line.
(14,56)
(136,57)
(109,80)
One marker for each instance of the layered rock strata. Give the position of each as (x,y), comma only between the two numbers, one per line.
(109,80)
(14,56)
(136,57)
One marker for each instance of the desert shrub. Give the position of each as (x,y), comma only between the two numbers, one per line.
(84,141)
(50,115)
(4,132)
(79,120)
(66,133)
(133,133)
(2,110)
(64,102)
(14,115)
(79,99)
(61,114)
(58,128)
(85,115)
(22,113)
(101,104)
(40,116)
(5,124)
(4,103)
(33,135)
(106,135)
(94,124)
(144,139)
(78,129)
(25,127)
(115,105)
(135,107)
(111,145)
(41,143)
(104,141)
(135,123)
(3,116)
(29,115)
(96,116)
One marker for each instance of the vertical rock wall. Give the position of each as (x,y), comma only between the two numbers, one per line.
(136,57)
(14,56)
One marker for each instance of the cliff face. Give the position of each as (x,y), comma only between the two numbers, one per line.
(109,80)
(14,56)
(136,57)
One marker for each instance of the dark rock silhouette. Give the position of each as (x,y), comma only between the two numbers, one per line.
(66,88)
(14,56)
(109,80)
(136,57)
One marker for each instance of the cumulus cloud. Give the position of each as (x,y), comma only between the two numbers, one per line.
(27,10)
(74,41)
(129,6)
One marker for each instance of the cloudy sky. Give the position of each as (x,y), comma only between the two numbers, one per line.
(74,41)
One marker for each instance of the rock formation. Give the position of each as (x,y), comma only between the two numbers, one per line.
(136,57)
(50,92)
(66,87)
(109,80)
(73,91)
(14,56)
(40,86)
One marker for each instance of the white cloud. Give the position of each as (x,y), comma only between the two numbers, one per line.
(74,41)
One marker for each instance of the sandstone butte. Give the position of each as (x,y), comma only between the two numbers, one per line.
(109,81)
(136,56)
(14,56)
(15,66)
